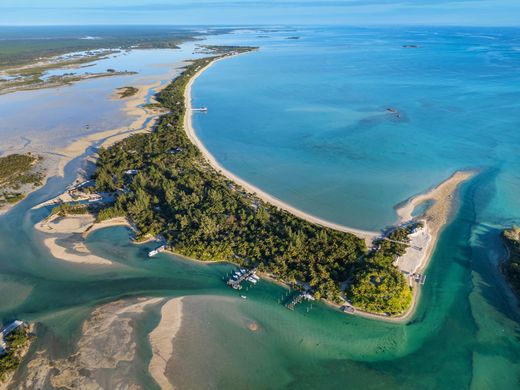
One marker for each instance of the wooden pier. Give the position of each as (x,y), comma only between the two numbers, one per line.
(298,299)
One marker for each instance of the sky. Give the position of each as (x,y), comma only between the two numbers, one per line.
(261,12)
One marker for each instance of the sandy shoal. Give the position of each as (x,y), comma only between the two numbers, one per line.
(369,236)
(161,340)
(73,230)
(109,137)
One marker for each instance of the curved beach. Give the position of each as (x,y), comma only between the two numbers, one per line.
(368,236)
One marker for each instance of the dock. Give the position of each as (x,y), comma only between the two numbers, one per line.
(242,275)
(200,109)
(298,299)
(419,278)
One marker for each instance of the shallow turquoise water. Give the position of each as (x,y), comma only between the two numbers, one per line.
(465,331)
(307,119)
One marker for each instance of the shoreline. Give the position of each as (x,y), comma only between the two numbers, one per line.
(143,120)
(161,341)
(368,236)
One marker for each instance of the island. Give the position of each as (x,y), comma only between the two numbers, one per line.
(19,174)
(511,267)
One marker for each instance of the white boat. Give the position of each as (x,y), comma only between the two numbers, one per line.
(251,280)
(156,251)
(243,297)
(255,277)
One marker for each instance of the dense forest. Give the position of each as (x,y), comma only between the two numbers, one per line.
(378,286)
(167,188)
(511,267)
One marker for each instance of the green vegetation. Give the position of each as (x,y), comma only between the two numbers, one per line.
(167,188)
(19,47)
(74,208)
(16,342)
(18,174)
(378,286)
(125,92)
(109,213)
(511,267)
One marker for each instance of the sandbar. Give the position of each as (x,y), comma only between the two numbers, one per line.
(161,340)
(72,230)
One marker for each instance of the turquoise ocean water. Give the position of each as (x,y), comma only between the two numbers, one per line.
(306,120)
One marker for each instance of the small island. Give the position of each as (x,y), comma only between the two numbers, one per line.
(19,174)
(126,92)
(511,267)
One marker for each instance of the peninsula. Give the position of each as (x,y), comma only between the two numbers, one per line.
(168,185)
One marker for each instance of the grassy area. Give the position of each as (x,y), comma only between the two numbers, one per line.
(511,267)
(18,174)
(172,191)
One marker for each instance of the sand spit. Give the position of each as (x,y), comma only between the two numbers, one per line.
(65,237)
(103,357)
(445,199)
(161,340)
(190,131)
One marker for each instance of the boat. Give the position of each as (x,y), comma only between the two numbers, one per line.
(348,309)
(243,297)
(152,253)
(251,280)
(255,277)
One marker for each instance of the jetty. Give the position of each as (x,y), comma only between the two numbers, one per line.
(200,109)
